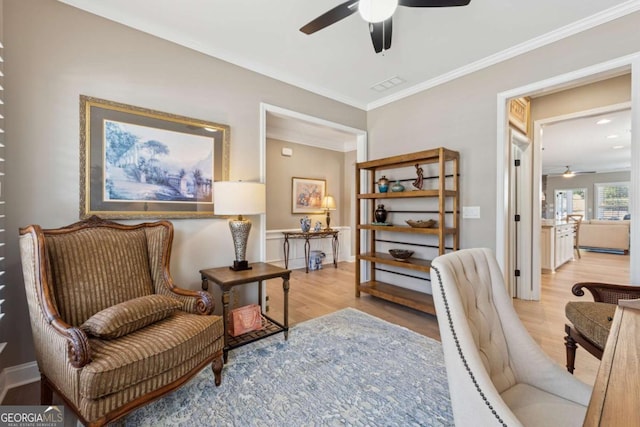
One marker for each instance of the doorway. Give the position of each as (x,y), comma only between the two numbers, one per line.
(504,230)
(570,201)
(281,124)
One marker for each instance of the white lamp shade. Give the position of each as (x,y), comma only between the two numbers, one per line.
(329,203)
(238,198)
(377,10)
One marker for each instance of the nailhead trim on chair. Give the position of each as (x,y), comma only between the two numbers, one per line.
(464,360)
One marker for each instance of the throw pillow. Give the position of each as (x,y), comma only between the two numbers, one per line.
(129,316)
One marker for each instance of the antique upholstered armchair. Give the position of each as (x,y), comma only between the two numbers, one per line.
(591,320)
(497,373)
(110,328)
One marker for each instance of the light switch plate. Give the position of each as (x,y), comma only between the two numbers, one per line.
(471,212)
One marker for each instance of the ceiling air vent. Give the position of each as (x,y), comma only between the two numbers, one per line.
(387,84)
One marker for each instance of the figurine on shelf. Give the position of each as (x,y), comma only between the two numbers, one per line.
(317,227)
(418,182)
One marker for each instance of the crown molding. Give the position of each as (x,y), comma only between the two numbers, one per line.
(535,43)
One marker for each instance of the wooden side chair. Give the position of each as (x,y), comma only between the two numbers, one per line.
(576,220)
(591,321)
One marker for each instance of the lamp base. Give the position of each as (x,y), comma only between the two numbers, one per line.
(240,266)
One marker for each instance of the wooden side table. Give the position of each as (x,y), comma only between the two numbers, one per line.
(615,396)
(226,279)
(307,235)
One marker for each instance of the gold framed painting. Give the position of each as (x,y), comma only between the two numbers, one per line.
(519,110)
(141,163)
(307,195)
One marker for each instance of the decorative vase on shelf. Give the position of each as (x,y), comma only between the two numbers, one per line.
(305,224)
(397,187)
(383,184)
(380,214)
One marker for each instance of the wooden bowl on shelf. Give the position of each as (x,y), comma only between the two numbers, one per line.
(400,254)
(421,224)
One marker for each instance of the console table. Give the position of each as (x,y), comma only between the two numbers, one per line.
(308,235)
(226,279)
(615,396)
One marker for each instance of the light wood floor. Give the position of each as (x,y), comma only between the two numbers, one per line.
(324,291)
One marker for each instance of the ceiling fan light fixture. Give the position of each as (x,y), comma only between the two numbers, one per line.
(568,173)
(377,10)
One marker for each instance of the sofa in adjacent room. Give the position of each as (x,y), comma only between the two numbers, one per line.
(605,234)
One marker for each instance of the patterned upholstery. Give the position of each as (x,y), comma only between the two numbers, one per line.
(115,259)
(497,373)
(130,316)
(77,271)
(591,319)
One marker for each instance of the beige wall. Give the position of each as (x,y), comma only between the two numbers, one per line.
(462,114)
(306,162)
(612,91)
(54,53)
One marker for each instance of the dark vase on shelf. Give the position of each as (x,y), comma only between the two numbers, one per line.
(380,214)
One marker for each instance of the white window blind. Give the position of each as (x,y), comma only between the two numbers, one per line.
(612,200)
(3,234)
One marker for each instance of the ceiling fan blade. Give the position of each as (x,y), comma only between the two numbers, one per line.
(381,34)
(433,3)
(336,14)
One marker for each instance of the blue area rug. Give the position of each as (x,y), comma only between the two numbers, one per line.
(346,368)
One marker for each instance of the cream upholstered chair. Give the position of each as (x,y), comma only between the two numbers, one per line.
(497,373)
(111,330)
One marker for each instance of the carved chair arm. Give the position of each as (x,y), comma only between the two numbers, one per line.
(79,351)
(204,303)
(606,292)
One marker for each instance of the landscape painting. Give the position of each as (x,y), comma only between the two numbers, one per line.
(141,163)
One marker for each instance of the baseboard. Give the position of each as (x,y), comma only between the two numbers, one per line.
(15,376)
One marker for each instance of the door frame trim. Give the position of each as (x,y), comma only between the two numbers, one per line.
(584,75)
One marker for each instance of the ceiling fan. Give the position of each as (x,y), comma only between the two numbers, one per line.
(568,173)
(378,13)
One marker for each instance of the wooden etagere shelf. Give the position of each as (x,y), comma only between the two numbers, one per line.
(446,231)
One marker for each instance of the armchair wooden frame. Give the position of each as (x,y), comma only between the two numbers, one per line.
(601,292)
(47,319)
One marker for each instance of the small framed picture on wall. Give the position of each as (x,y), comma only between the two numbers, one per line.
(307,195)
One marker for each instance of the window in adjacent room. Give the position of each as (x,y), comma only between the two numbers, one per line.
(612,200)
(570,201)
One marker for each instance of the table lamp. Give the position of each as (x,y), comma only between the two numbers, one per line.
(239,198)
(328,204)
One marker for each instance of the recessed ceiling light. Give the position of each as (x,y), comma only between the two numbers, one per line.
(614,136)
(617,147)
(603,121)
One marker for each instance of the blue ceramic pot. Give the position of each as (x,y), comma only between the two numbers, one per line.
(397,187)
(383,184)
